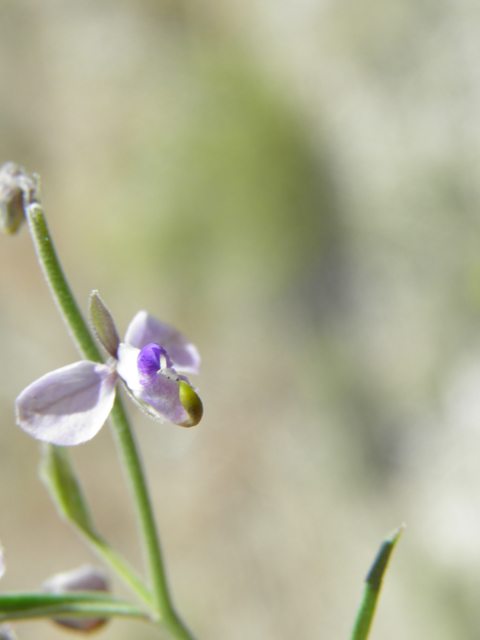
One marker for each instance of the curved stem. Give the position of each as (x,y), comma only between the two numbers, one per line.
(123,434)
(58,284)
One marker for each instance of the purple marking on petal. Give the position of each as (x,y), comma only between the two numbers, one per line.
(68,406)
(152,359)
(145,329)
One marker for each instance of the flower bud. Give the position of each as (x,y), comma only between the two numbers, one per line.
(17,189)
(191,403)
(85,578)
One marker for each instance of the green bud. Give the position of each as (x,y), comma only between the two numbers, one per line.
(191,403)
(18,189)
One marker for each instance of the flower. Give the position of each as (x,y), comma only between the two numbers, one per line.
(69,406)
(85,578)
(18,188)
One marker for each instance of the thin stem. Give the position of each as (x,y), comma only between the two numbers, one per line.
(58,284)
(373,584)
(131,461)
(123,434)
(112,558)
(20,606)
(57,473)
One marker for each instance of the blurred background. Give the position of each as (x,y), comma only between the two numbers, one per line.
(295,186)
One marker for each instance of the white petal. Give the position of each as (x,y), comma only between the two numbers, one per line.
(68,406)
(127,367)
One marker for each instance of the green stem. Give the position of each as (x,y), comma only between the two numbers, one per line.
(131,461)
(123,434)
(373,583)
(118,564)
(20,606)
(57,473)
(58,284)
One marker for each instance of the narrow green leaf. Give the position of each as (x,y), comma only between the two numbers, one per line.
(19,606)
(373,583)
(57,474)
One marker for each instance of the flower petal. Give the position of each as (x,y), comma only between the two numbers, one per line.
(127,367)
(144,329)
(150,360)
(85,578)
(162,400)
(68,406)
(159,390)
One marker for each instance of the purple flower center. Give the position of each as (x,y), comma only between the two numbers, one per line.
(152,359)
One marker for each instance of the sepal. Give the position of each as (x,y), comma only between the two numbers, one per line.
(103,324)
